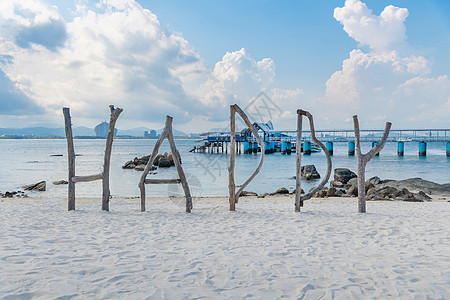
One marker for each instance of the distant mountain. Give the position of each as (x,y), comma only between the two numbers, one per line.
(139,131)
(33,131)
(175,132)
(77,131)
(82,131)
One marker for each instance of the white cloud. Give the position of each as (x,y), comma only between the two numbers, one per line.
(118,53)
(237,78)
(386,83)
(378,32)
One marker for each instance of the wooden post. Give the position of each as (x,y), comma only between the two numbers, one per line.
(71,158)
(115,112)
(298,156)
(231,185)
(308,195)
(363,159)
(167,132)
(234,197)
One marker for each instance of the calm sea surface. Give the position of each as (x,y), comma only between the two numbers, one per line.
(29,161)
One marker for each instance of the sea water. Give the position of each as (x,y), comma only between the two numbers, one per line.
(29,161)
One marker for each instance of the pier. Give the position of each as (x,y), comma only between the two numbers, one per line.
(283,141)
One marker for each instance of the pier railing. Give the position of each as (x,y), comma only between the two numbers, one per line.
(347,135)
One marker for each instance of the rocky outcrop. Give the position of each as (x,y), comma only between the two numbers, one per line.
(165,160)
(13,194)
(40,186)
(309,172)
(418,184)
(343,175)
(391,193)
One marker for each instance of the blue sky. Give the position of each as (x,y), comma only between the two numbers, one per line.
(382,60)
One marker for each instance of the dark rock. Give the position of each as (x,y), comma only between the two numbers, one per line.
(40,186)
(337,184)
(351,182)
(17,194)
(375,180)
(282,190)
(353,190)
(164,163)
(301,191)
(368,185)
(60,182)
(246,193)
(331,192)
(141,167)
(339,193)
(129,165)
(320,193)
(422,196)
(309,172)
(343,175)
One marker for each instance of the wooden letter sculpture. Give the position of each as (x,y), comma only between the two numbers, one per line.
(104,176)
(167,132)
(234,197)
(298,198)
(363,159)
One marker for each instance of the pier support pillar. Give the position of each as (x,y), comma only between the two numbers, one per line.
(422,149)
(247,148)
(329,146)
(351,148)
(266,147)
(373,145)
(448,148)
(283,147)
(307,147)
(401,148)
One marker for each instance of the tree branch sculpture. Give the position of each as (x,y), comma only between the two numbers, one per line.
(234,197)
(363,159)
(298,198)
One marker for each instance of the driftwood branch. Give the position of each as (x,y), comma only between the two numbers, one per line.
(363,159)
(167,133)
(162,181)
(177,162)
(298,163)
(231,184)
(115,112)
(71,158)
(261,144)
(298,198)
(87,178)
(234,197)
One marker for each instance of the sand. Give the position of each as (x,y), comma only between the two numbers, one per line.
(264,250)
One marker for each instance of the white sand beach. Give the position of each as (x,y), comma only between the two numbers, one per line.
(398,250)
